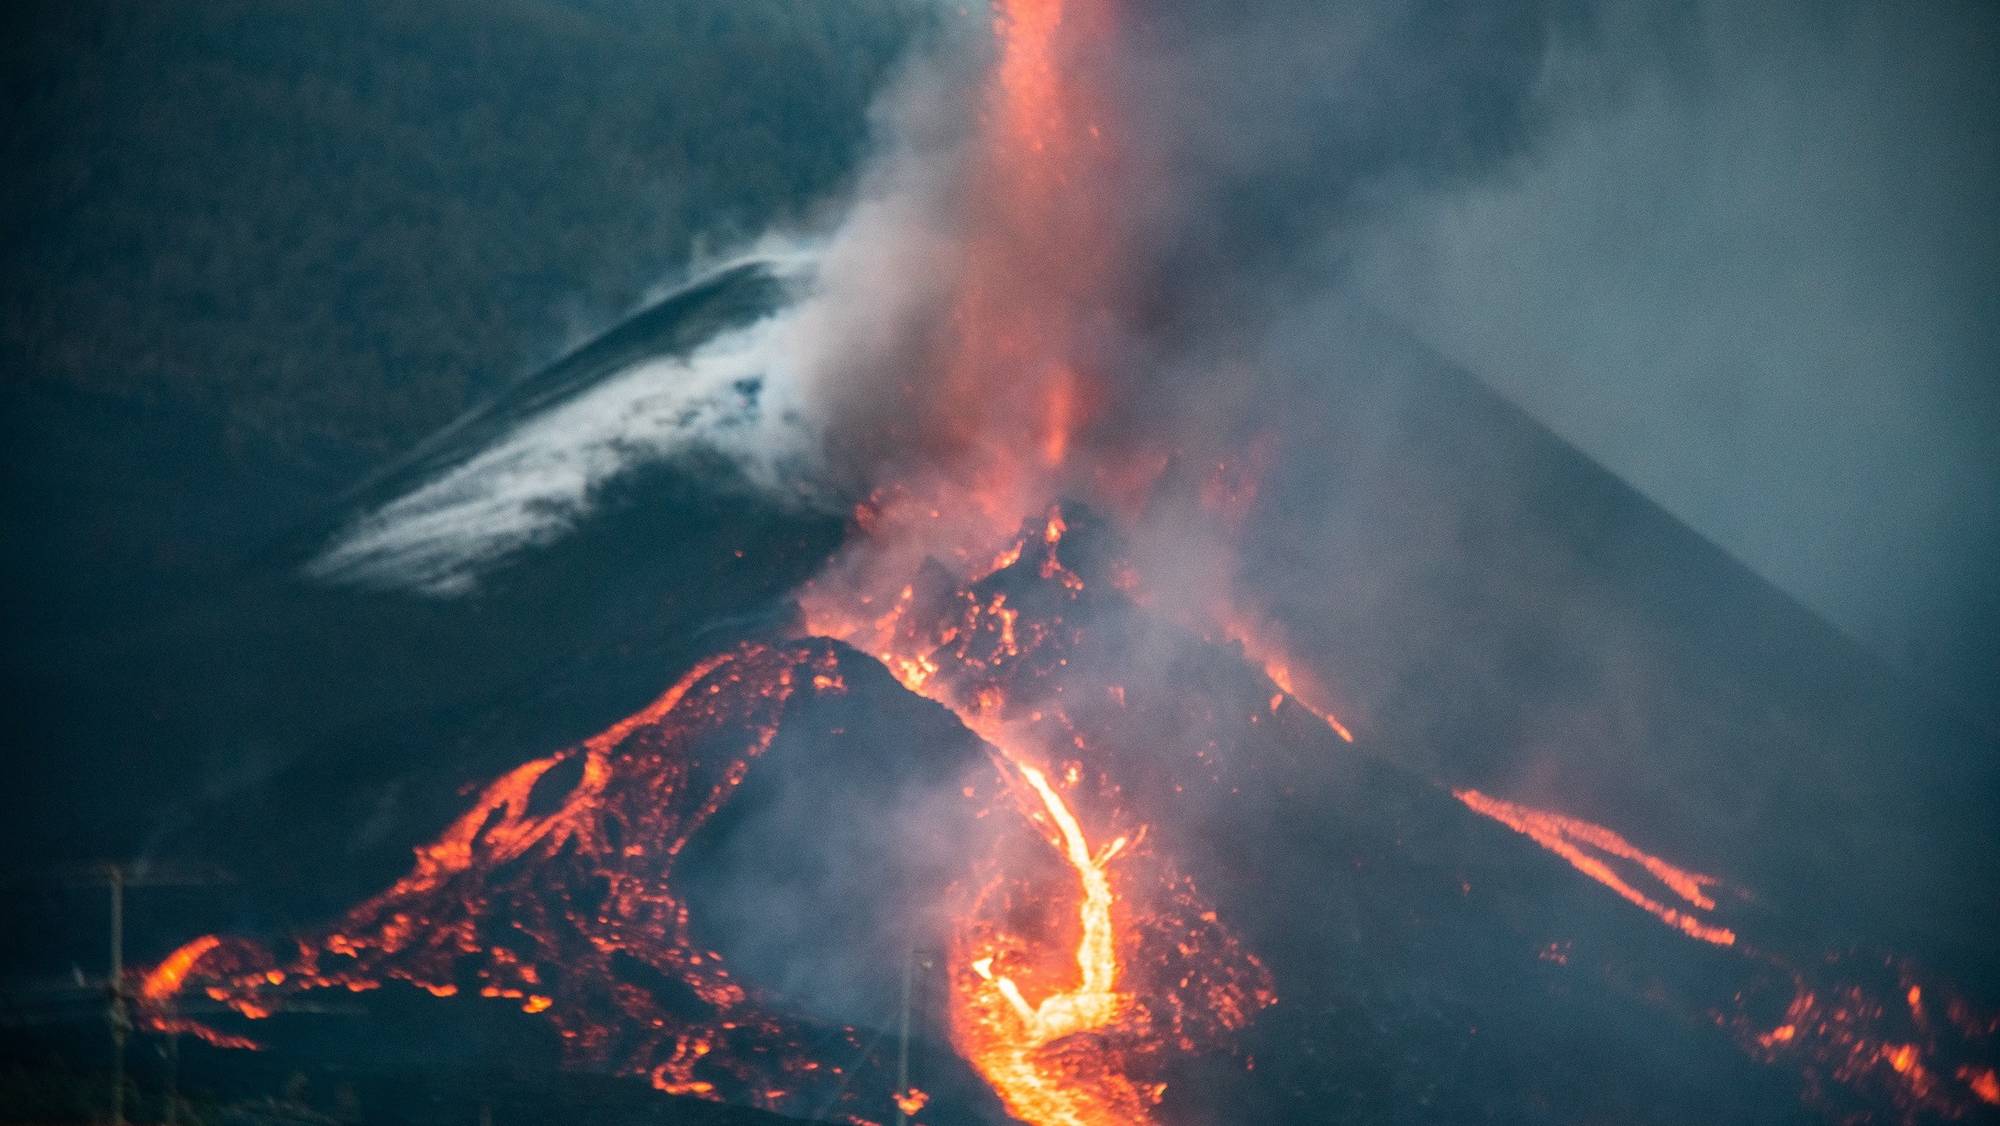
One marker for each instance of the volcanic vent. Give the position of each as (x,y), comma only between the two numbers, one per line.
(1123,872)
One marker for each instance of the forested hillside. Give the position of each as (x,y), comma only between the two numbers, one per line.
(254,249)
(342,221)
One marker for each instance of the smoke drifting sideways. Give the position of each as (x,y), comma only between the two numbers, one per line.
(1179,272)
(1208,162)
(532,483)
(1157,290)
(1736,258)
(1758,284)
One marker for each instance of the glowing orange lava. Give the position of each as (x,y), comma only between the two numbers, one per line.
(164,980)
(575,851)
(1079,958)
(1984,1083)
(1051,1014)
(1586,847)
(1279,669)
(1006,1036)
(1844,1033)
(996,1027)
(913,1100)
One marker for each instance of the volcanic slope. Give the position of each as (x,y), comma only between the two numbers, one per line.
(1514,619)
(676,323)
(656,893)
(1433,961)
(1480,594)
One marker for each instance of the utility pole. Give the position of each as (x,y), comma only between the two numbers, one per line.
(121,1013)
(118,877)
(903,1037)
(173,1051)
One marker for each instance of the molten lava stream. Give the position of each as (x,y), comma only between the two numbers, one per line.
(1068,982)
(1007,1038)
(1584,846)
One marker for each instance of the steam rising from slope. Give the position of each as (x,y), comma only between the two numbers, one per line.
(1228,162)
(1083,304)
(730,396)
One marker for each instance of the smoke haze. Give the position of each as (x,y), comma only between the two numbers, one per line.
(1759,286)
(1738,258)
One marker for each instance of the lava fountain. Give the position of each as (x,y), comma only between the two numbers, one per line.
(1079,958)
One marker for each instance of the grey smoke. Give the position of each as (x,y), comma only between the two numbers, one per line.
(1761,287)
(1741,256)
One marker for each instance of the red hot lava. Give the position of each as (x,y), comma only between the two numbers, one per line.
(1079,958)
(1849,1036)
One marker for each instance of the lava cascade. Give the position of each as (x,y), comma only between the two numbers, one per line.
(1067,1031)
(1083,959)
(1081,962)
(1017,652)
(554,892)
(1591,849)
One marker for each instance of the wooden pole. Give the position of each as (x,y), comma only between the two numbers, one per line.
(903,1036)
(121,1019)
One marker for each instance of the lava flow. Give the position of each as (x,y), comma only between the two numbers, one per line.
(1006,1042)
(1589,849)
(1066,1028)
(554,892)
(1082,961)
(1858,1029)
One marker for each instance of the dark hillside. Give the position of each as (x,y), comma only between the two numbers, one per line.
(256,249)
(337,225)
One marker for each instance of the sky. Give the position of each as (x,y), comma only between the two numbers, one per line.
(1758,280)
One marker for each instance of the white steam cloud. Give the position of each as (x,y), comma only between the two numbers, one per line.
(732,395)
(760,397)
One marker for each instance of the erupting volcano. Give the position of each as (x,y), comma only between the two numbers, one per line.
(1086,974)
(1158,885)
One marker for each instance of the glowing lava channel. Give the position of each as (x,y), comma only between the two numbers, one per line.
(1576,840)
(1057,998)
(1094,1002)
(1006,1044)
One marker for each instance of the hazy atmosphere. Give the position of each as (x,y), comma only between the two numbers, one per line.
(1064,562)
(1756,280)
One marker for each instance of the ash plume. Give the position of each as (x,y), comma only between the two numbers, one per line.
(1195,311)
(1198,179)
(1424,159)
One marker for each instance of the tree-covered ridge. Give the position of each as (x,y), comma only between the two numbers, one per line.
(337,225)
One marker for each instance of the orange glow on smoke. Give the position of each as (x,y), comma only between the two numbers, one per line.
(1030,95)
(1059,417)
(1586,847)
(1008,383)
(1261,646)
(1077,961)
(1011,392)
(1049,1013)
